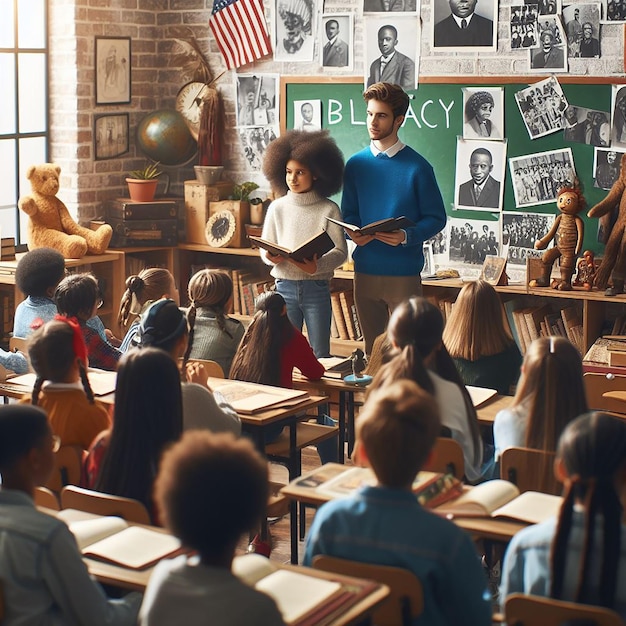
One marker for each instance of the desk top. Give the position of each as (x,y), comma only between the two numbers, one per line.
(488,411)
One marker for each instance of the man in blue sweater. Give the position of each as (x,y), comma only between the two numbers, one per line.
(388,179)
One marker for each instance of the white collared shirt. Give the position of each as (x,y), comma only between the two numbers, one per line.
(467,19)
(390,152)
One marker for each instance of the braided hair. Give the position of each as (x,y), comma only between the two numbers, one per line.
(593,451)
(150,284)
(210,289)
(53,349)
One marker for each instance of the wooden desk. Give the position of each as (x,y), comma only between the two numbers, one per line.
(488,411)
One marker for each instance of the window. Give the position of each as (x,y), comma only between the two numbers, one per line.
(23,104)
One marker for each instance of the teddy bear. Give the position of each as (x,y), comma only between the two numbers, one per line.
(50,224)
(613,263)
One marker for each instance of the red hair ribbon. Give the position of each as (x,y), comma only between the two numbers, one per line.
(78,342)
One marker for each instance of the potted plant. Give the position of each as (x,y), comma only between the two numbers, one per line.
(142,183)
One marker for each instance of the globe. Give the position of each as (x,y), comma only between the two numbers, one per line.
(164,137)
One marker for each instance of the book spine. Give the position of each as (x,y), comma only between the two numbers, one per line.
(520,325)
(338,315)
(347,313)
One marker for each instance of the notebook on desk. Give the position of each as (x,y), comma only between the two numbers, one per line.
(102,381)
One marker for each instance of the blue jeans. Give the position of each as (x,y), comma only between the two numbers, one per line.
(309,301)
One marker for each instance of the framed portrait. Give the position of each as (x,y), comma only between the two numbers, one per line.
(464,27)
(110,136)
(336,41)
(113,70)
(307,115)
(483,113)
(493,270)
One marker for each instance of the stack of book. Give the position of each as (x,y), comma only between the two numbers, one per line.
(345,321)
(7,249)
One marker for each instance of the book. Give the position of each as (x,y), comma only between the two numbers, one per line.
(318,244)
(573,325)
(502,499)
(480,395)
(250,398)
(336,366)
(102,381)
(303,596)
(347,300)
(380,226)
(112,539)
(335,303)
(509,307)
(533,316)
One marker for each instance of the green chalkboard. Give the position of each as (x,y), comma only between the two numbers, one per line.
(435,119)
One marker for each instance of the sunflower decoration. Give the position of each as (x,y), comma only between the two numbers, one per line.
(199,101)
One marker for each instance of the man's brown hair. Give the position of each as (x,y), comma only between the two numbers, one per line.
(392,94)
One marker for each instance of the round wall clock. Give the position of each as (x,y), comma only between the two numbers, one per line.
(189,105)
(220,229)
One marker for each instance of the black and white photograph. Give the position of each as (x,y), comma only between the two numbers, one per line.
(336,41)
(484,113)
(257,99)
(519,233)
(112,70)
(307,115)
(582,125)
(464,25)
(582,26)
(392,43)
(618,120)
(440,248)
(542,106)
(606,167)
(390,6)
(110,134)
(613,11)
(538,177)
(523,26)
(254,141)
(480,170)
(428,270)
(548,7)
(551,52)
(470,242)
(294,29)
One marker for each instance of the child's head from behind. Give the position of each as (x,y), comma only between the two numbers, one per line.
(416,322)
(397,428)
(39,271)
(164,326)
(316,151)
(26,445)
(552,385)
(78,295)
(232,478)
(57,353)
(210,288)
(152,283)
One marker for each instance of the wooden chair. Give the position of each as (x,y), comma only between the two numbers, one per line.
(447,457)
(212,368)
(46,498)
(530,470)
(523,610)
(104,504)
(277,503)
(19,344)
(597,384)
(68,468)
(406,600)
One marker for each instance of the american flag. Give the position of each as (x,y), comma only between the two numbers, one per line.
(240,30)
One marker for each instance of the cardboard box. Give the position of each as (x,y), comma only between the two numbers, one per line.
(241,212)
(198,196)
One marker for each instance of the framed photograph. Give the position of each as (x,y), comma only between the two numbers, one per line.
(257,99)
(110,136)
(336,41)
(606,167)
(464,27)
(112,70)
(471,241)
(428,271)
(484,113)
(307,115)
(493,270)
(541,106)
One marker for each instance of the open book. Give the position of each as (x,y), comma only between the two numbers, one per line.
(102,381)
(480,395)
(112,539)
(502,499)
(319,244)
(381,226)
(302,598)
(249,398)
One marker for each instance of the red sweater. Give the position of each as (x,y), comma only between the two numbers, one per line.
(297,352)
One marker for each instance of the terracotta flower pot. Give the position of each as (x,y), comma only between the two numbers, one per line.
(142,190)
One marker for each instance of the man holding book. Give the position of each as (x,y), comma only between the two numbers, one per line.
(385,180)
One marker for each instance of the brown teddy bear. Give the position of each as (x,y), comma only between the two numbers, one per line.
(51,225)
(613,263)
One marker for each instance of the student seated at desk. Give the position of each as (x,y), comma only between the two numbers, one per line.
(147,417)
(581,556)
(44,578)
(550,393)
(58,354)
(385,525)
(232,478)
(415,332)
(481,346)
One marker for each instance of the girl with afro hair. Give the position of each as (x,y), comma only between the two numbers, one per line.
(304,168)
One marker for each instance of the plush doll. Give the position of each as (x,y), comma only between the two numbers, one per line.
(613,263)
(50,224)
(567,232)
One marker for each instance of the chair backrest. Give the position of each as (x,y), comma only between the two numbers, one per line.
(522,610)
(68,468)
(212,368)
(18,343)
(104,504)
(530,470)
(597,384)
(447,457)
(404,603)
(46,498)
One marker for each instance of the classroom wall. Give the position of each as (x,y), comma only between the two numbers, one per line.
(153,24)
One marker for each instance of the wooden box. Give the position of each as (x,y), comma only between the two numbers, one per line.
(198,196)
(241,213)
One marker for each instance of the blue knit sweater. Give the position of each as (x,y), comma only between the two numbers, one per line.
(377,188)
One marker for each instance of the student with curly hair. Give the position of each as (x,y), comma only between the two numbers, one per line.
(212,334)
(478,109)
(304,168)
